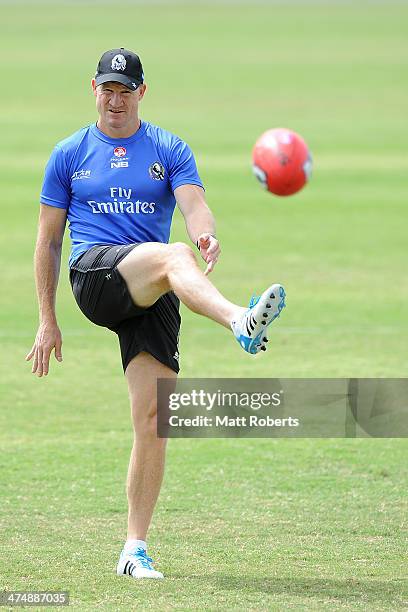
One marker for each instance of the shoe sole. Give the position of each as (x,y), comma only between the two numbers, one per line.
(142,577)
(128,569)
(268,308)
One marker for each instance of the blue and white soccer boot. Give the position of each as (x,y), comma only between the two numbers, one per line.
(137,564)
(250,328)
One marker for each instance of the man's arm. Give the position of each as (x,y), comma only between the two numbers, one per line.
(47,261)
(199,221)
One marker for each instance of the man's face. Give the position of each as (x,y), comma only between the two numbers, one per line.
(117,105)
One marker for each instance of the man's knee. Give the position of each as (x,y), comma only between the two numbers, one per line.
(145,420)
(180,253)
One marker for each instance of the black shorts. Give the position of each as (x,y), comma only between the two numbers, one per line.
(102,295)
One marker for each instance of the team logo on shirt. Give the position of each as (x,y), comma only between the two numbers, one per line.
(118,62)
(119,152)
(156,171)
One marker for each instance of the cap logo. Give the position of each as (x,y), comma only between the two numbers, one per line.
(119,62)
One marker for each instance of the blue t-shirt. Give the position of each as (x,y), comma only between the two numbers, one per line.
(118,190)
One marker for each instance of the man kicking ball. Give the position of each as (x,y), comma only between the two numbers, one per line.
(117,182)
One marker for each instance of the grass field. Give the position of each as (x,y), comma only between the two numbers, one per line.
(248,524)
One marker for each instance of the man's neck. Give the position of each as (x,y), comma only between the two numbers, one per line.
(126,132)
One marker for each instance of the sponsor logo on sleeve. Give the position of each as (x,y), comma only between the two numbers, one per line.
(81,174)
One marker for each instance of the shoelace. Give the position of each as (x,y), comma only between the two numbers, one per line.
(142,558)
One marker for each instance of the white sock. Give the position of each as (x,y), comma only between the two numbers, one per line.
(132,544)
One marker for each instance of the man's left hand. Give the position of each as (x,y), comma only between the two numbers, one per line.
(210,250)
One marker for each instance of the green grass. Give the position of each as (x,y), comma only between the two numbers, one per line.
(252,524)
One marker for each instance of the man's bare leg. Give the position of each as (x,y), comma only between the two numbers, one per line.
(152,269)
(146,464)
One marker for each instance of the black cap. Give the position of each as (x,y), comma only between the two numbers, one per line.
(122,66)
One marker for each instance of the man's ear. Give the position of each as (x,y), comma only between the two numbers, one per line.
(142,90)
(93,83)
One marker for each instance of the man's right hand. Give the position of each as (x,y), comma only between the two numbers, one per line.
(48,337)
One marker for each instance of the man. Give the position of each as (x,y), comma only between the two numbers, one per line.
(117,182)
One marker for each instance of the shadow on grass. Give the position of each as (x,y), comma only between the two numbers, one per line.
(368,591)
